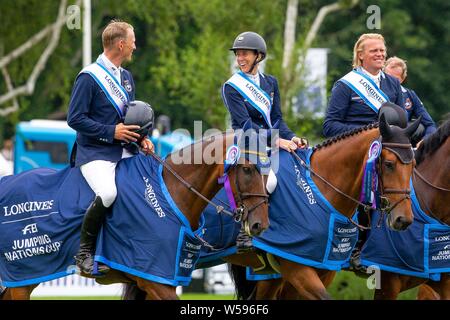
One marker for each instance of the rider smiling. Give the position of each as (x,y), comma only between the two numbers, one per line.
(253,97)
(100,99)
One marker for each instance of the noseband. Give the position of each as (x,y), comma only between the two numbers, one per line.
(241,212)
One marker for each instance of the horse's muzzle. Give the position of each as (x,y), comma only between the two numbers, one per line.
(399,223)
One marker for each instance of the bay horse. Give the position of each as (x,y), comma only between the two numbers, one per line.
(191,185)
(431,181)
(337,168)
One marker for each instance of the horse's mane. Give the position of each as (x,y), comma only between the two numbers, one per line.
(345,135)
(431,143)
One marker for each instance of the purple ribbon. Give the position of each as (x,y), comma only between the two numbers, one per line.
(226,183)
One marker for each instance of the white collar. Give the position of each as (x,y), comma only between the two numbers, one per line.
(254,77)
(108,64)
(377,76)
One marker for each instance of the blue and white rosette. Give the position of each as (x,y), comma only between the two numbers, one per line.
(370,178)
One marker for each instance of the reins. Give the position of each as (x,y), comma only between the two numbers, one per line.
(385,205)
(365,206)
(189,186)
(416,172)
(239,214)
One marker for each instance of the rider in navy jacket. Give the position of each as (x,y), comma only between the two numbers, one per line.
(95,120)
(250,49)
(346,110)
(241,110)
(101,132)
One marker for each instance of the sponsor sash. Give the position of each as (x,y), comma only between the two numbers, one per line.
(365,88)
(256,96)
(115,93)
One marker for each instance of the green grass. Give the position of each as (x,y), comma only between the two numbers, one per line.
(346,286)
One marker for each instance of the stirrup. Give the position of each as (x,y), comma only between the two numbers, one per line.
(85,262)
(244,243)
(355,264)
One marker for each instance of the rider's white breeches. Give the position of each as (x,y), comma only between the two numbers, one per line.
(101,177)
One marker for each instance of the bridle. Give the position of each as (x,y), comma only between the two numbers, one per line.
(385,205)
(239,213)
(242,212)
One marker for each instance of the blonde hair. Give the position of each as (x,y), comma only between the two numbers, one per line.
(397,62)
(359,46)
(116,29)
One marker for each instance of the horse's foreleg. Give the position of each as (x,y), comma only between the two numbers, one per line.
(268,289)
(444,286)
(157,291)
(436,290)
(288,292)
(390,287)
(21,293)
(327,277)
(305,280)
(427,293)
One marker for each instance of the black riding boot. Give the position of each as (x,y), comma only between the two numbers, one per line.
(244,241)
(355,258)
(93,220)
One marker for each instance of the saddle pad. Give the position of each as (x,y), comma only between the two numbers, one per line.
(304,227)
(422,250)
(145,233)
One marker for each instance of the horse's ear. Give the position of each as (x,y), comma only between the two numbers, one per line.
(411,128)
(385,130)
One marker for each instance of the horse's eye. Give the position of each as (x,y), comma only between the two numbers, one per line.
(390,165)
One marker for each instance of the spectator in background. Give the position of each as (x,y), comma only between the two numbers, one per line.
(6,156)
(7,150)
(357,97)
(397,68)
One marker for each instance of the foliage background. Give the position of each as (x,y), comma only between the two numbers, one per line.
(182,56)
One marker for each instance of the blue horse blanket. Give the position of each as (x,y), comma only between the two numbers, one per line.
(422,250)
(145,234)
(220,232)
(304,227)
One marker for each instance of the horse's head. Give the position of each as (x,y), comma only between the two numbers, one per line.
(395,168)
(249,177)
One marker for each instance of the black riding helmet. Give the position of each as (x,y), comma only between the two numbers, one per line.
(251,41)
(140,113)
